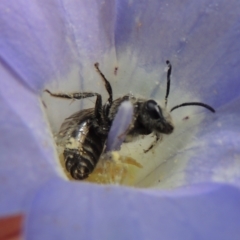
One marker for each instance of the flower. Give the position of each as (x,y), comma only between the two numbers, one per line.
(46,41)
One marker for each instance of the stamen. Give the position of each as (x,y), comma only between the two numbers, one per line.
(120,126)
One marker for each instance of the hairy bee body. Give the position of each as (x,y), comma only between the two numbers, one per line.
(83,135)
(142,123)
(83,141)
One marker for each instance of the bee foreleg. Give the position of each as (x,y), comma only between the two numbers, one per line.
(157,137)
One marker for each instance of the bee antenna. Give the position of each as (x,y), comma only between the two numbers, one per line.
(193,104)
(168,80)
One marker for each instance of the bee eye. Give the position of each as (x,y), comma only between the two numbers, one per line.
(153,109)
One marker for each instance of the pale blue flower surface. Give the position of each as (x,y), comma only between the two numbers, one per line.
(42,41)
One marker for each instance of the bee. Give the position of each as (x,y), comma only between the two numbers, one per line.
(83,135)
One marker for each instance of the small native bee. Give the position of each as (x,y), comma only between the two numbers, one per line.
(83,135)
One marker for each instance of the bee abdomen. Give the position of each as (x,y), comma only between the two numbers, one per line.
(77,165)
(81,161)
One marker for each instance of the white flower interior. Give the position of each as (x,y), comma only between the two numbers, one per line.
(164,165)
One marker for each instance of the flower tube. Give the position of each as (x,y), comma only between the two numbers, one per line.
(54,44)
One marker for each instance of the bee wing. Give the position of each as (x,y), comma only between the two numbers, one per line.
(71,124)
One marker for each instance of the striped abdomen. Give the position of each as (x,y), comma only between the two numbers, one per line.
(83,150)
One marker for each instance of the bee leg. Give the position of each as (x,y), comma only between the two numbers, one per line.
(82,95)
(98,109)
(157,137)
(108,88)
(76,95)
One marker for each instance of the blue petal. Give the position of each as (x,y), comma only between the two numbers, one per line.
(26,148)
(41,41)
(33,42)
(66,211)
(220,139)
(201,39)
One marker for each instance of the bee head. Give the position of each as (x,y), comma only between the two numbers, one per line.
(155,118)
